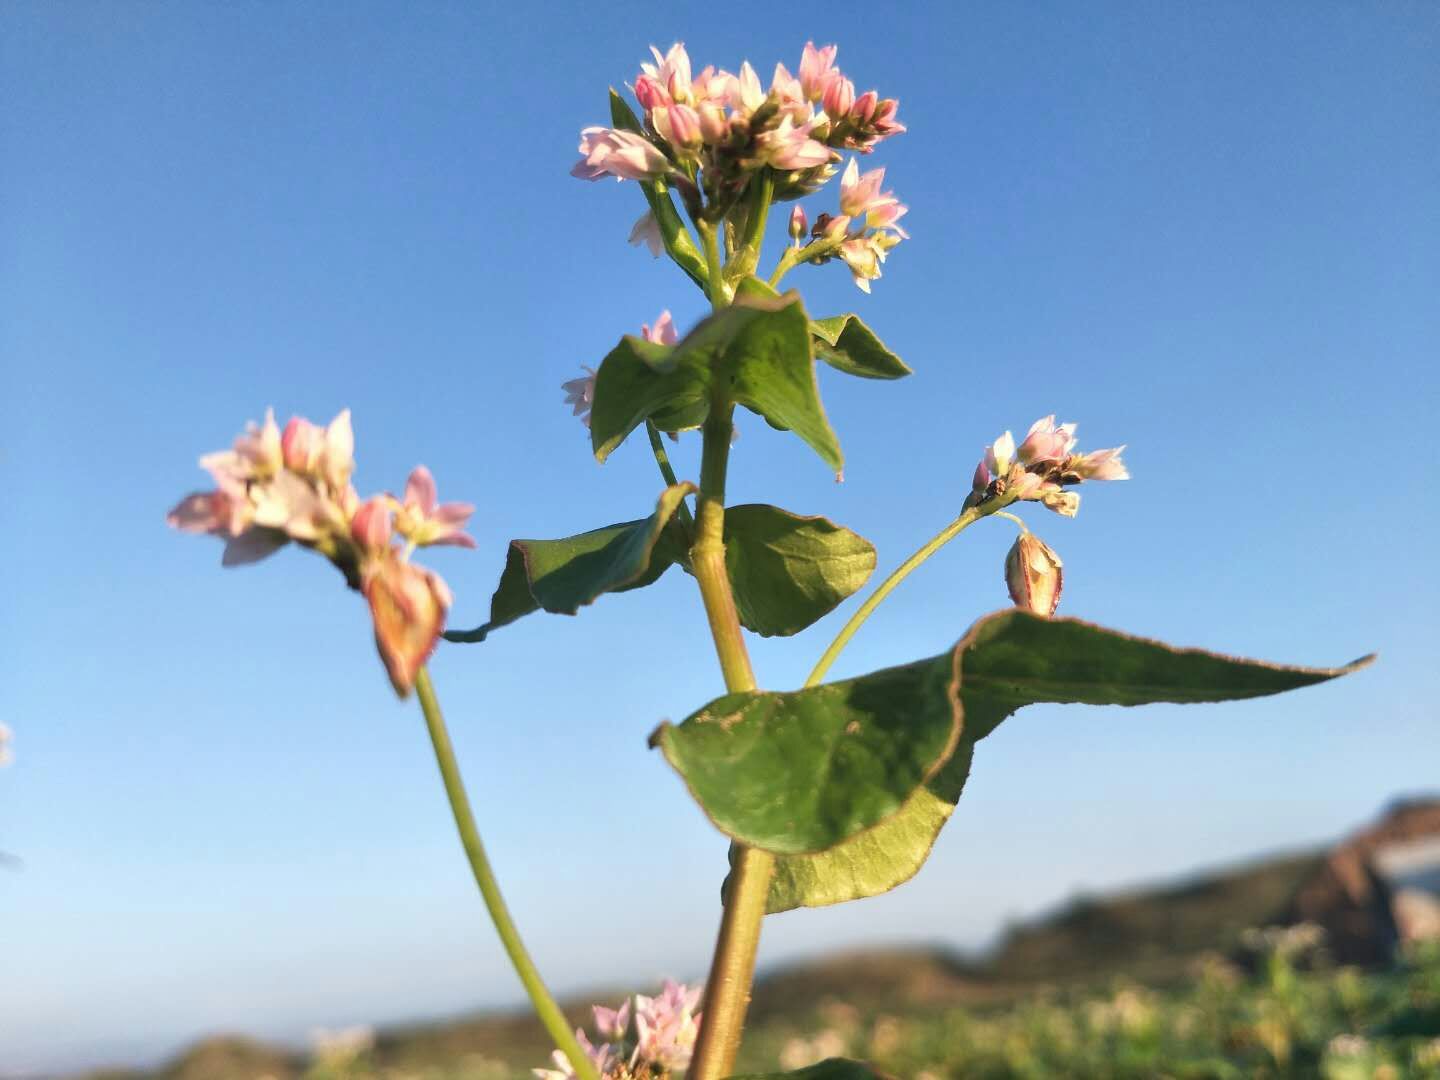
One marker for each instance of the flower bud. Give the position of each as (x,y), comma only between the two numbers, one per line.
(370,527)
(1033,575)
(839,97)
(714,128)
(408,605)
(799,225)
(864,107)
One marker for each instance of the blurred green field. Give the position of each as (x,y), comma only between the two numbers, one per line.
(1288,1016)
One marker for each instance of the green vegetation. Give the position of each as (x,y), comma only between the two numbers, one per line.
(1288,1015)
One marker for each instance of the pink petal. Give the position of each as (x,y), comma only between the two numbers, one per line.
(420,490)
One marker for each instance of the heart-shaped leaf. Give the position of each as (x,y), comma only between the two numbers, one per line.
(755,353)
(787,571)
(562,576)
(829,1069)
(846,343)
(803,771)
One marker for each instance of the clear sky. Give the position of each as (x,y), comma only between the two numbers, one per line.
(1209,231)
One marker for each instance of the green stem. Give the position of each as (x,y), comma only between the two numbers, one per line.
(794,256)
(719,291)
(544,1005)
(727,991)
(663,460)
(747,253)
(886,587)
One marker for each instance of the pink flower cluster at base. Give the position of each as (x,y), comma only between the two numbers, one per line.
(1042,467)
(273,488)
(665,1029)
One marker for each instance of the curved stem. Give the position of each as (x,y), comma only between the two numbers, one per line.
(886,587)
(544,1005)
(1011,517)
(727,991)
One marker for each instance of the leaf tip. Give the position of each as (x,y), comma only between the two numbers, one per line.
(656,739)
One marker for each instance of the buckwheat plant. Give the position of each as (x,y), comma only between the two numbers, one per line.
(830,792)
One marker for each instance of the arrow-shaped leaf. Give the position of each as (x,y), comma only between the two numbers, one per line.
(846,343)
(562,576)
(801,772)
(755,353)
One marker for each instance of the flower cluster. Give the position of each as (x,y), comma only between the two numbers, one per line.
(864,231)
(665,1029)
(1042,467)
(274,487)
(711,130)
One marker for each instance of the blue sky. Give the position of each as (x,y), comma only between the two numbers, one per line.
(1211,232)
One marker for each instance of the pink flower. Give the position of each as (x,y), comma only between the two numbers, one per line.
(746,94)
(612,1023)
(603,1057)
(1099,465)
(646,230)
(408,605)
(679,125)
(650,93)
(714,126)
(864,108)
(663,332)
(1064,503)
(999,454)
(839,97)
(799,224)
(815,69)
(1042,468)
(884,122)
(789,95)
(327,454)
(666,1027)
(862,199)
(671,71)
(424,521)
(787,147)
(621,154)
(1046,441)
(581,394)
(371,524)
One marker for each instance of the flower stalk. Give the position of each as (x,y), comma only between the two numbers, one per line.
(540,998)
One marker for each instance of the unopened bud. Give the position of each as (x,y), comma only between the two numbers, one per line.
(839,97)
(799,225)
(370,527)
(1033,575)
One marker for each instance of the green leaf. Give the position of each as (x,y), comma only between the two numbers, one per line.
(829,1069)
(678,242)
(787,571)
(754,353)
(876,861)
(845,342)
(1008,660)
(801,771)
(562,576)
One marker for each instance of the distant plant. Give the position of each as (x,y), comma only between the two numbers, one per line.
(830,792)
